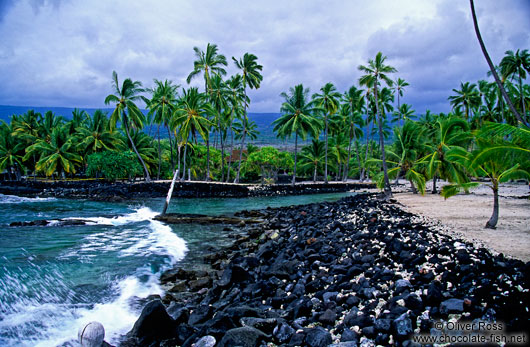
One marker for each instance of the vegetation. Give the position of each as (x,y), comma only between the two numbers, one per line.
(485,138)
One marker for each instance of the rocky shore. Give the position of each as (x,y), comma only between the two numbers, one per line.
(99,190)
(359,271)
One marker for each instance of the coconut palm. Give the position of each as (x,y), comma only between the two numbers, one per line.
(328,102)
(56,155)
(377,71)
(161,106)
(497,168)
(404,113)
(126,111)
(190,118)
(516,65)
(236,98)
(26,129)
(338,144)
(354,108)
(209,62)
(250,72)
(468,96)
(312,157)
(11,150)
(446,135)
(492,67)
(399,87)
(297,118)
(95,135)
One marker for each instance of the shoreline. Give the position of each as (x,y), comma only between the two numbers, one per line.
(105,191)
(359,270)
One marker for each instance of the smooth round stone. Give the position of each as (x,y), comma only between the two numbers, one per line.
(91,334)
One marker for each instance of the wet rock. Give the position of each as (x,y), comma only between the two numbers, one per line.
(244,337)
(206,341)
(266,325)
(402,326)
(283,332)
(318,337)
(200,314)
(349,335)
(154,324)
(328,317)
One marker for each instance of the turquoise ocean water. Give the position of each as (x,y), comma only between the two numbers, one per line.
(53,279)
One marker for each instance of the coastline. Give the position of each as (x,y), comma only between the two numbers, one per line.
(355,271)
(99,190)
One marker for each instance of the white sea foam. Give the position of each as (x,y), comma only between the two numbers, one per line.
(139,215)
(13,199)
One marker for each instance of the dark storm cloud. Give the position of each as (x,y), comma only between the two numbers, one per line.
(62,53)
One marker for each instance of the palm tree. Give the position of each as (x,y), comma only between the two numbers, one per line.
(126,110)
(11,150)
(468,97)
(375,72)
(338,143)
(492,67)
(312,156)
(404,113)
(328,102)
(95,135)
(354,107)
(399,87)
(190,117)
(161,105)
(250,72)
(297,118)
(208,62)
(517,65)
(57,155)
(446,135)
(26,129)
(235,99)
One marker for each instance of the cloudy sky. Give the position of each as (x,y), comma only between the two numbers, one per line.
(62,52)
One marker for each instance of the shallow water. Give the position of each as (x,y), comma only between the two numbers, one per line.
(54,279)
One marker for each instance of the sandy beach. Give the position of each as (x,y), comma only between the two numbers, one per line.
(466,215)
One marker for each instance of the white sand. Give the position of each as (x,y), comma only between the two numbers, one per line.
(466,216)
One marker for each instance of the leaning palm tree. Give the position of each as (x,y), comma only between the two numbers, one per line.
(377,71)
(209,62)
(328,102)
(297,118)
(126,110)
(161,106)
(190,118)
(492,67)
(250,72)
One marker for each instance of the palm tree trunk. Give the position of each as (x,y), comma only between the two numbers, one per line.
(492,222)
(434,189)
(231,151)
(326,151)
(315,173)
(387,189)
(492,68)
(295,156)
(184,161)
(241,153)
(347,166)
(522,97)
(171,150)
(222,153)
(363,173)
(159,153)
(146,172)
(413,187)
(170,192)
(207,178)
(358,156)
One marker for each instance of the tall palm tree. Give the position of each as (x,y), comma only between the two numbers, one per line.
(161,106)
(250,72)
(404,113)
(517,65)
(11,150)
(209,62)
(236,99)
(399,87)
(26,129)
(492,67)
(328,102)
(297,118)
(468,96)
(377,71)
(126,110)
(190,117)
(354,108)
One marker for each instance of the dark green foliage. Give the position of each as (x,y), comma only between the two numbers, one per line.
(113,165)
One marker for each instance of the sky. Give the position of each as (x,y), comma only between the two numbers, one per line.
(63,52)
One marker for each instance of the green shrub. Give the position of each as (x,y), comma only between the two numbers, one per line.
(113,165)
